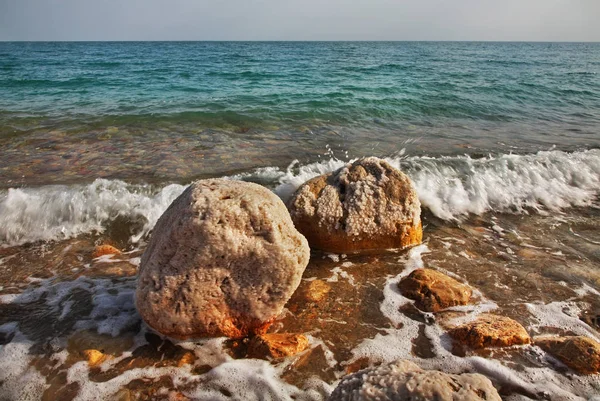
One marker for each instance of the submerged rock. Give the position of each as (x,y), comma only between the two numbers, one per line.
(277,345)
(433,291)
(490,331)
(582,354)
(403,380)
(102,250)
(316,291)
(223,260)
(364,205)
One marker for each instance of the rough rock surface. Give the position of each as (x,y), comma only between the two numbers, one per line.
(582,354)
(277,345)
(403,380)
(365,205)
(433,291)
(490,331)
(223,259)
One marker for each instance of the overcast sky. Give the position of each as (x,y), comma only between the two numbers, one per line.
(530,20)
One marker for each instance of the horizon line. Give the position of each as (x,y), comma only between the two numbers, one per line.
(295,41)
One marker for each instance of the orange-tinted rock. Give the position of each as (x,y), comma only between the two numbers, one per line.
(316,291)
(580,353)
(82,341)
(367,204)
(187,358)
(277,345)
(95,357)
(490,331)
(222,260)
(433,291)
(102,250)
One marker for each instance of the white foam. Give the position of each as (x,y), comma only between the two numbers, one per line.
(57,211)
(19,380)
(450,187)
(564,315)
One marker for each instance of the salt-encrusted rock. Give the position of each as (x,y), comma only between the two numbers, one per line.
(367,204)
(277,345)
(580,353)
(490,331)
(223,260)
(403,380)
(434,291)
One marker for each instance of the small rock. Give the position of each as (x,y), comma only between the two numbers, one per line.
(277,345)
(82,341)
(403,380)
(122,395)
(582,354)
(102,250)
(364,205)
(316,291)
(433,291)
(94,357)
(188,358)
(490,331)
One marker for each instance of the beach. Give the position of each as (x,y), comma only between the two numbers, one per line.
(501,141)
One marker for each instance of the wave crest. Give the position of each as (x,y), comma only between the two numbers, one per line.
(450,187)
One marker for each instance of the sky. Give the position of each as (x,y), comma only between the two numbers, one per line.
(485,20)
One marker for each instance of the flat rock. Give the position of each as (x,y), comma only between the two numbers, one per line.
(316,291)
(367,204)
(433,291)
(102,250)
(277,345)
(582,354)
(490,331)
(403,380)
(222,260)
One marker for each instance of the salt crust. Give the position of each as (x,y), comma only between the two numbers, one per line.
(403,380)
(222,260)
(365,206)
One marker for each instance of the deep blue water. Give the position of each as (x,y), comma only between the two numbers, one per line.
(292,99)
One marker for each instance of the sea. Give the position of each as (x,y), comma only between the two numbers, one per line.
(502,142)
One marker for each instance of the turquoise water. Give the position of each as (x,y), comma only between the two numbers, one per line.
(92,131)
(282,101)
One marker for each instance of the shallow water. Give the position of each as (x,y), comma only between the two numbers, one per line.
(501,141)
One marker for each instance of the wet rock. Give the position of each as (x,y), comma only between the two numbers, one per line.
(582,354)
(403,380)
(364,205)
(277,345)
(102,250)
(222,261)
(316,291)
(95,357)
(433,291)
(490,331)
(188,358)
(93,345)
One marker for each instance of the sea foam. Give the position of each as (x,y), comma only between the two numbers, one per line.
(449,187)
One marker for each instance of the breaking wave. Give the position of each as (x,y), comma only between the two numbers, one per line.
(450,187)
